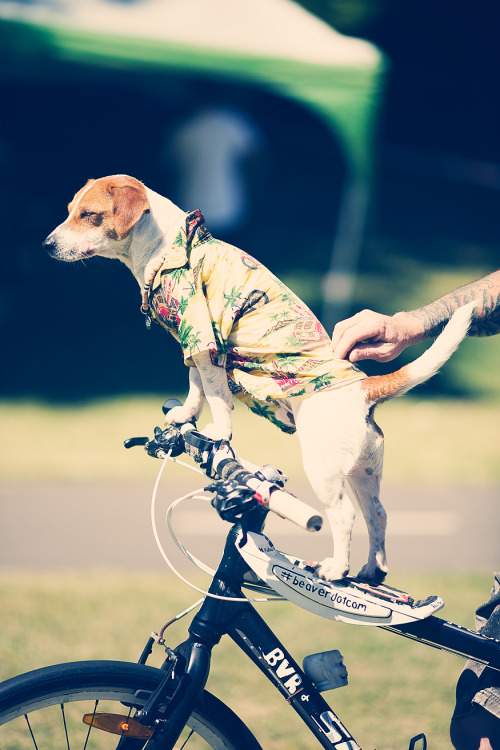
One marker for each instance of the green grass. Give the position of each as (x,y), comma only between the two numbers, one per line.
(396,688)
(427,441)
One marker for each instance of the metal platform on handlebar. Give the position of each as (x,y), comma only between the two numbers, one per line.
(347,600)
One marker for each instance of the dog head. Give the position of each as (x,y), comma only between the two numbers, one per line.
(100,219)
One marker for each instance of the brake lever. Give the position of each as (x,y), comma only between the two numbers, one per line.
(232,499)
(133,442)
(165,441)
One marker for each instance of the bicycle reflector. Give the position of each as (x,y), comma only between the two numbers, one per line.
(117,724)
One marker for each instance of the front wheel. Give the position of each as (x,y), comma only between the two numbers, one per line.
(46,709)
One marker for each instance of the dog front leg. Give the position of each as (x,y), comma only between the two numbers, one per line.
(218,396)
(366,491)
(193,405)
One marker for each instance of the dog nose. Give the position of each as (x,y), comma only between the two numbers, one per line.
(49,244)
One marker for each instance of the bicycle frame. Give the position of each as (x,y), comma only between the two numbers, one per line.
(224,616)
(250,632)
(226,612)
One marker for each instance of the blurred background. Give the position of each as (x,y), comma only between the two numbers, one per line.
(351,145)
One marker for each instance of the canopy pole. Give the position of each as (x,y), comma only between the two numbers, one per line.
(338,282)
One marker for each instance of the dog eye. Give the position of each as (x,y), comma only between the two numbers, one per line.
(93,217)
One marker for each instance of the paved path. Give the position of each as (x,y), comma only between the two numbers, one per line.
(55,525)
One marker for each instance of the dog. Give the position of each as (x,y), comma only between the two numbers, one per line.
(243,333)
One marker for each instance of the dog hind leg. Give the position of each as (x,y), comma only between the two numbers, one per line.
(330,447)
(364,484)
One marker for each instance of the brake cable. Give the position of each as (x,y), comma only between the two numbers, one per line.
(193,559)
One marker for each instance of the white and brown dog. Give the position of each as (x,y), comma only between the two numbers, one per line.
(342,447)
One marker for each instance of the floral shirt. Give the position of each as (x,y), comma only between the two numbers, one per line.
(212,296)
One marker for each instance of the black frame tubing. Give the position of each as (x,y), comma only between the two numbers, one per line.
(456,639)
(250,632)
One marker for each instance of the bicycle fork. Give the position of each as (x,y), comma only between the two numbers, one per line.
(170,706)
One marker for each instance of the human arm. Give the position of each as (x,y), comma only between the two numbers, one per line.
(370,335)
(486,317)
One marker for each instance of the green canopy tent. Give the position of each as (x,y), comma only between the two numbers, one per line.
(275,44)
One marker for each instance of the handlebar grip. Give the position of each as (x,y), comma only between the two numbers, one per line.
(267,493)
(290,507)
(285,505)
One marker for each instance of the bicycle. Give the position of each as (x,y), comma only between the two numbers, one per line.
(132,705)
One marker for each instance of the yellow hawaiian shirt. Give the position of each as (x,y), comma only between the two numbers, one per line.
(213,296)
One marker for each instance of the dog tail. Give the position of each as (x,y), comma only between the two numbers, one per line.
(382,387)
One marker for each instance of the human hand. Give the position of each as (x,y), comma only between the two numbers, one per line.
(370,335)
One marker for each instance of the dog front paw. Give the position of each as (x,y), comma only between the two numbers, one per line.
(216,432)
(179,415)
(330,570)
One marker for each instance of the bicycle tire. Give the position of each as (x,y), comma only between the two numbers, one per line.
(73,688)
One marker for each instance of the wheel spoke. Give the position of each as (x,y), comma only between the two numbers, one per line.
(36,708)
(31,731)
(90,725)
(186,740)
(65,726)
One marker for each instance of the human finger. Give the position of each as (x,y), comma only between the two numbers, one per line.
(339,330)
(379,352)
(361,328)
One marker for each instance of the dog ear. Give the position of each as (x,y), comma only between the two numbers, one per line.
(129,204)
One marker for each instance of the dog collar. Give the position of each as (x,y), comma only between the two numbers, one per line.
(146,289)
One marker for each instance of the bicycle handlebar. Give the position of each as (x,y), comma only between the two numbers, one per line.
(239,484)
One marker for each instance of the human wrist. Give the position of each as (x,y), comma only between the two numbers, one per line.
(410,326)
